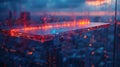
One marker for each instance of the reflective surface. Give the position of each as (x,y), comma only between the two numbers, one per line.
(78,44)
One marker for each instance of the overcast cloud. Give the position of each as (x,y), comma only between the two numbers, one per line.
(50,5)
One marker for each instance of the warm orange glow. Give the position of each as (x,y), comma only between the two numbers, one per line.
(12,32)
(82,22)
(57,25)
(97,2)
(30,53)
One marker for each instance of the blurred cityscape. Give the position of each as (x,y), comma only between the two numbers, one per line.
(59,33)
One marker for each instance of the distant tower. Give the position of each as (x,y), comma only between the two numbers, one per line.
(25,18)
(10,15)
(9,19)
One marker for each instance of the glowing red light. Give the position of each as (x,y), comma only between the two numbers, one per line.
(82,22)
(12,32)
(43,39)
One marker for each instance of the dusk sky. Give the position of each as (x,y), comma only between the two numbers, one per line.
(57,5)
(54,4)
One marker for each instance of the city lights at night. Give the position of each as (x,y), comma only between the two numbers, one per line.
(59,33)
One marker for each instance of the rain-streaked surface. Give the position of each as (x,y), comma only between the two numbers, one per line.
(81,45)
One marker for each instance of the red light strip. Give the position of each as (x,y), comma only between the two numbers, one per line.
(82,22)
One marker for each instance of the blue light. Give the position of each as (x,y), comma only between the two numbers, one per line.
(53,31)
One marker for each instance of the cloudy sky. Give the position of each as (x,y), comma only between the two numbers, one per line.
(49,5)
(35,6)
